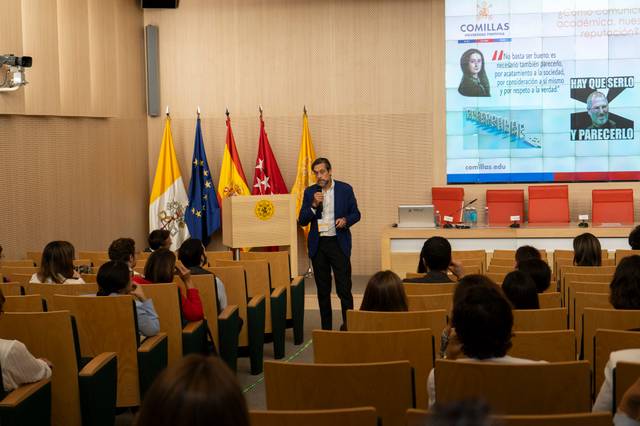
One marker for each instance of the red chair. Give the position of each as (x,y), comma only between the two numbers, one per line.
(548,204)
(449,202)
(504,203)
(612,206)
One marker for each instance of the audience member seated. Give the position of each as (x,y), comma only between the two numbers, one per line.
(18,365)
(384,293)
(198,391)
(520,290)
(527,252)
(628,413)
(159,238)
(192,255)
(586,250)
(114,279)
(634,238)
(56,265)
(482,320)
(539,271)
(470,412)
(160,268)
(604,400)
(124,250)
(625,285)
(435,261)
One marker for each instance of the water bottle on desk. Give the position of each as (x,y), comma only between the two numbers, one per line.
(473,217)
(486,216)
(436,218)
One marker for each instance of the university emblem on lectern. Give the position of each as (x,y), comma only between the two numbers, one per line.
(264,209)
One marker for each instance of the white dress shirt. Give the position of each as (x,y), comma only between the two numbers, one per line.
(328,213)
(19,366)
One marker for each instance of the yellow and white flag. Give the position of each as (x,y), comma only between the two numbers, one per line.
(304,175)
(168,199)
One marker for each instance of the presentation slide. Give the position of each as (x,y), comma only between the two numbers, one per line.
(542,91)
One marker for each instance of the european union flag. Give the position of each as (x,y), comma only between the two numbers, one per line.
(203,213)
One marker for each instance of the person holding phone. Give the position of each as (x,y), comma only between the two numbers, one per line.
(435,262)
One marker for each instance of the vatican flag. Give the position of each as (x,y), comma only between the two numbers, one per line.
(168,199)
(304,175)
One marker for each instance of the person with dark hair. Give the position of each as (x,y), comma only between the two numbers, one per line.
(539,271)
(114,278)
(160,268)
(197,391)
(625,285)
(330,207)
(469,412)
(586,250)
(482,321)
(192,255)
(521,290)
(527,252)
(384,293)
(56,265)
(634,238)
(435,260)
(474,77)
(159,238)
(124,250)
(18,365)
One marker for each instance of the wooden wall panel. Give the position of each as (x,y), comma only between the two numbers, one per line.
(102,55)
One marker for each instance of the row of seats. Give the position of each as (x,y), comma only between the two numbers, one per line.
(547,204)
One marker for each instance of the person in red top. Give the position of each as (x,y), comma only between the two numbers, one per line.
(160,268)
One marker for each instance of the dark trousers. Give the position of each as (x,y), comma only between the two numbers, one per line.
(328,258)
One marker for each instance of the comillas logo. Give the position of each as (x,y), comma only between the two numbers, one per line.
(484,27)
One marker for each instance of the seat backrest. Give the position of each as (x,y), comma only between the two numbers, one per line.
(206,286)
(235,286)
(552,346)
(550,300)
(548,204)
(166,301)
(28,303)
(539,319)
(504,203)
(49,335)
(582,300)
(435,320)
(387,386)
(364,416)
(607,341)
(353,347)
(107,324)
(612,206)
(621,254)
(21,263)
(46,291)
(279,269)
(429,288)
(6,270)
(96,257)
(89,278)
(258,283)
(497,277)
(624,375)
(449,202)
(469,257)
(517,388)
(420,417)
(502,261)
(11,288)
(611,319)
(36,256)
(212,256)
(430,302)
(501,269)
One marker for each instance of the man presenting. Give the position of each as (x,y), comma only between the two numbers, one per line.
(331,208)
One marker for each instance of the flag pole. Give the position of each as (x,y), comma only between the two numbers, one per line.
(309,272)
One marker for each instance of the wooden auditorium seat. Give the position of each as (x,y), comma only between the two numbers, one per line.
(386,386)
(540,319)
(430,302)
(36,256)
(12,288)
(96,257)
(108,324)
(29,404)
(611,319)
(607,341)
(420,418)
(621,254)
(212,256)
(46,291)
(28,303)
(553,388)
(83,390)
(223,326)
(624,375)
(612,206)
(29,263)
(429,288)
(552,299)
(581,301)
(548,204)
(363,416)
(552,346)
(354,347)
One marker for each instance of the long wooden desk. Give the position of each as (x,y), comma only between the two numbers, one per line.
(400,247)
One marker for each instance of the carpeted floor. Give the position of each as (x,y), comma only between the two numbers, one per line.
(253,386)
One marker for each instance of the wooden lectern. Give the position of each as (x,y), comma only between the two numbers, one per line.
(261,221)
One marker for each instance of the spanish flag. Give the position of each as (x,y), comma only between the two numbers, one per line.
(168,199)
(304,175)
(232,181)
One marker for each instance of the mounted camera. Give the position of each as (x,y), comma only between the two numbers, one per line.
(16,61)
(12,71)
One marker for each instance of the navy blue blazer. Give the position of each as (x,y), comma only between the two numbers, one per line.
(345,206)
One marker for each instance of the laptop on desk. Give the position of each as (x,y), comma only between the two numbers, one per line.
(415,216)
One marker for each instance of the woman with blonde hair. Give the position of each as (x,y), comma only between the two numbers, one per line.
(56,265)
